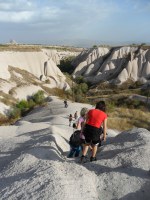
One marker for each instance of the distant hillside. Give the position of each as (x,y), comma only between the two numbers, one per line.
(26,69)
(115,65)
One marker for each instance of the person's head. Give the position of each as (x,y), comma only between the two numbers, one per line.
(101,106)
(83,112)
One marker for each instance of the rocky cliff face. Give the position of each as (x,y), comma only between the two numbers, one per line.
(39,64)
(115,65)
(24,73)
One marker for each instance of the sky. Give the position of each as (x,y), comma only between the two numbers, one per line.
(75,22)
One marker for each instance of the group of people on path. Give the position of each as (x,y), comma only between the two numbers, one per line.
(91,129)
(71,118)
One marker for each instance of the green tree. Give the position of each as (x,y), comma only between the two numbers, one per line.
(84,87)
(79,79)
(94,46)
(65,64)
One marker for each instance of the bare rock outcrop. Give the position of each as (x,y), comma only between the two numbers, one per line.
(56,55)
(24,73)
(115,65)
(32,62)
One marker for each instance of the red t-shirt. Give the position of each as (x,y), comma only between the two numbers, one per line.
(96,117)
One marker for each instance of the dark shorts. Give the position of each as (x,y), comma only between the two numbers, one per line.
(82,141)
(92,134)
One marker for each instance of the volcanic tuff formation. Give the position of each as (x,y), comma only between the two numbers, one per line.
(38,63)
(24,73)
(115,65)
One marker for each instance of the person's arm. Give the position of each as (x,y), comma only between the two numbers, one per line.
(78,125)
(84,122)
(105,129)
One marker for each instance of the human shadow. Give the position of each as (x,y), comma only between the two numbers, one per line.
(142,194)
(36,139)
(130,171)
(125,165)
(45,153)
(125,136)
(112,153)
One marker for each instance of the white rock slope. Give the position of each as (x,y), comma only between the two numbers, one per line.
(24,73)
(33,163)
(37,63)
(115,65)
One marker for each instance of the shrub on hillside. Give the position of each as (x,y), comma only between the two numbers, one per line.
(84,87)
(22,105)
(79,79)
(3,120)
(15,113)
(47,81)
(31,103)
(38,97)
(130,103)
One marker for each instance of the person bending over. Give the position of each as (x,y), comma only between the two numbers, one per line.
(95,119)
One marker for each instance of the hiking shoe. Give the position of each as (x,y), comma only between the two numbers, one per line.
(69,156)
(93,159)
(83,159)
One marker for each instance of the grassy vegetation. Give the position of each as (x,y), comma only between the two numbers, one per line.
(4,120)
(36,47)
(7,99)
(20,48)
(123,118)
(27,78)
(64,48)
(123,112)
(22,108)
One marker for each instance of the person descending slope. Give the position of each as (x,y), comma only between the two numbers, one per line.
(75,144)
(70,119)
(95,118)
(77,138)
(65,103)
(81,122)
(75,115)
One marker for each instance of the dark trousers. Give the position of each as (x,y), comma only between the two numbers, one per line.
(74,150)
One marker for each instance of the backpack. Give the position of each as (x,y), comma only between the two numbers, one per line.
(75,139)
(74,125)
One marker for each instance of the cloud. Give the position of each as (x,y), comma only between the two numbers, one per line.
(16,16)
(17,5)
(21,11)
(66,20)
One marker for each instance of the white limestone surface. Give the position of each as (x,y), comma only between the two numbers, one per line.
(34,163)
(116,65)
(37,63)
(3,108)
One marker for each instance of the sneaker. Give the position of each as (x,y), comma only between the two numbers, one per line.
(93,159)
(69,156)
(76,155)
(83,159)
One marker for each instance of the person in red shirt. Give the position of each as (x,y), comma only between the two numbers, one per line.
(95,119)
